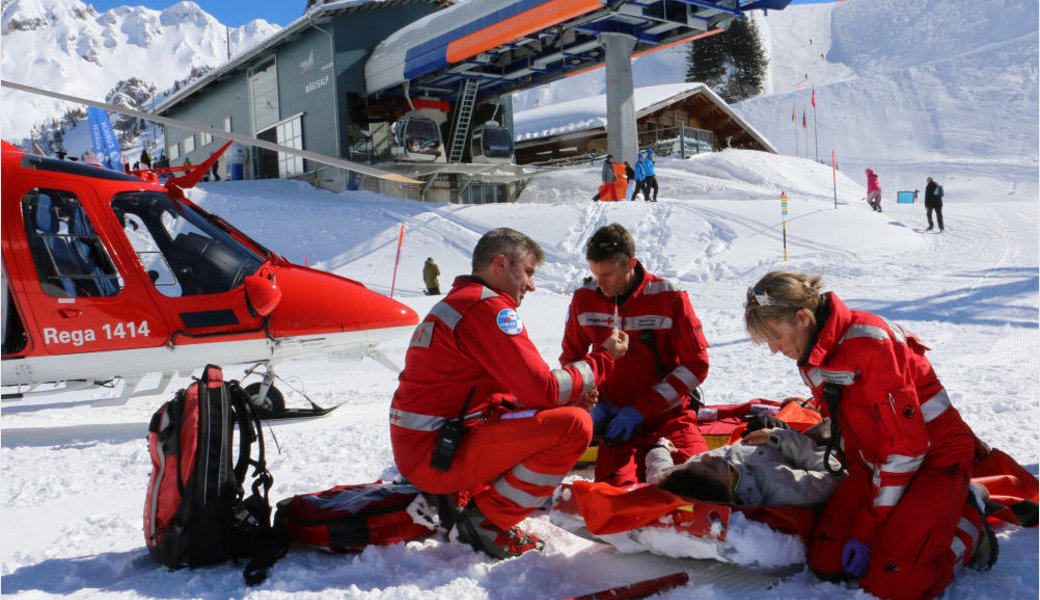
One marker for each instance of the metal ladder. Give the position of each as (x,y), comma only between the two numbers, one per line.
(463,116)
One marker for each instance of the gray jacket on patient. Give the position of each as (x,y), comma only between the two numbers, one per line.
(788,470)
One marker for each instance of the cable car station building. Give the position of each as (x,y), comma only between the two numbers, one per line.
(422,88)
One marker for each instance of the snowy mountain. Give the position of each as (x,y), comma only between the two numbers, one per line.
(67,46)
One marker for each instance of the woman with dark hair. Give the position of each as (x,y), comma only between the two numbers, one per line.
(903,519)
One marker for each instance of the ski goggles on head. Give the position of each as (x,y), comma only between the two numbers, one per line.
(760,298)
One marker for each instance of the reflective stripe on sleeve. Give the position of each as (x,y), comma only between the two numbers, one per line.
(900,463)
(935,406)
(564,385)
(668,393)
(889,495)
(686,376)
(588,378)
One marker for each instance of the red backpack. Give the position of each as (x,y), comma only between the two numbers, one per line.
(195,511)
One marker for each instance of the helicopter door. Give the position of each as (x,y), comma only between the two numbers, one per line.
(195,269)
(82,299)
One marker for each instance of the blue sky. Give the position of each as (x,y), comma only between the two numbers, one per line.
(236,12)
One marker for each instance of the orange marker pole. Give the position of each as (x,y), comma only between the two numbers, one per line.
(400,240)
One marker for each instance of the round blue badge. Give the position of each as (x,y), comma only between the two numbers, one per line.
(509,322)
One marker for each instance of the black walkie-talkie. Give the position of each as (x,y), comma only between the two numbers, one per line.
(448,439)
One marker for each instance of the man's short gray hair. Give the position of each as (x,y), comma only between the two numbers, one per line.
(510,242)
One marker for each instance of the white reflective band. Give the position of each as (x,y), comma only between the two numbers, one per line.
(564,385)
(686,376)
(422,336)
(970,530)
(487,292)
(668,393)
(817,376)
(595,319)
(659,322)
(518,497)
(897,331)
(958,548)
(418,422)
(935,406)
(899,463)
(868,331)
(448,315)
(665,285)
(889,495)
(543,479)
(588,378)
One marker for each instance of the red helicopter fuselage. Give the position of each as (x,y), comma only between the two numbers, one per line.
(108,276)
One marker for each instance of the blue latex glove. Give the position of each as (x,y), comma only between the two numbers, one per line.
(601,413)
(855,557)
(623,425)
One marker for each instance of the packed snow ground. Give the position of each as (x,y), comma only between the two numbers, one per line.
(73,479)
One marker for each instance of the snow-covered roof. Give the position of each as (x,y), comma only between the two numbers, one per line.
(591,113)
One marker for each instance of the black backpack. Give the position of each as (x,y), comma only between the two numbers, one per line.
(196,512)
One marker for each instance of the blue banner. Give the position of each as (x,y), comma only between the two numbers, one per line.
(106,146)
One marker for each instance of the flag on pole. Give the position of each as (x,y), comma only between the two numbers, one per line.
(814,96)
(803,118)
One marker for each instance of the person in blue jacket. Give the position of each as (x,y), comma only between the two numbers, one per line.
(640,176)
(650,176)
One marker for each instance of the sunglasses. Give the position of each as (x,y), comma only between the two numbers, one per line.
(760,298)
(604,245)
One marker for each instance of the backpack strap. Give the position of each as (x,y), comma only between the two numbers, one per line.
(252,515)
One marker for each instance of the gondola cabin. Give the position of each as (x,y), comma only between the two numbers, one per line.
(491,143)
(416,137)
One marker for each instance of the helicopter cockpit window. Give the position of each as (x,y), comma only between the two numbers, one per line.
(70,259)
(183,252)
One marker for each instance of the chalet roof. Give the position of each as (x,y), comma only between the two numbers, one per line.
(591,113)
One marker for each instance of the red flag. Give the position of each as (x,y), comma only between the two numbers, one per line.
(803,118)
(814,96)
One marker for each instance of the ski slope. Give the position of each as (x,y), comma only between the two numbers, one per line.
(73,479)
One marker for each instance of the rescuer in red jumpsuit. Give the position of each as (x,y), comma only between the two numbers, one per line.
(479,413)
(903,518)
(647,396)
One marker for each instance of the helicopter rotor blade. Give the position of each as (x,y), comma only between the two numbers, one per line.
(218,133)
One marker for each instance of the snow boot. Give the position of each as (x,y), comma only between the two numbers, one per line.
(987,552)
(479,532)
(447,507)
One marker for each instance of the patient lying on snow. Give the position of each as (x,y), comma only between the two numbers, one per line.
(767,467)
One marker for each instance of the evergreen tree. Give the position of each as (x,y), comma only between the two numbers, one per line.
(731,63)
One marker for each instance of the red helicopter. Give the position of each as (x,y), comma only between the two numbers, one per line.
(110,277)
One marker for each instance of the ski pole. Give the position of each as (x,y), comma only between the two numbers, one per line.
(639,589)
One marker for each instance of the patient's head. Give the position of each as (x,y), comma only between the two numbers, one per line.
(704,477)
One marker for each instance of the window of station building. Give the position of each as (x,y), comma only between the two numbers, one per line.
(207,138)
(290,133)
(227,124)
(263,95)
(175,151)
(189,144)
(71,260)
